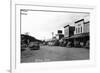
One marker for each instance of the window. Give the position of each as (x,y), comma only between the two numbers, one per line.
(76,30)
(81,29)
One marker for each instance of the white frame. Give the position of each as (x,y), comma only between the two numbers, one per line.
(16,67)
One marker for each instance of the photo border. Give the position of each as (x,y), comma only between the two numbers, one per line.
(14,69)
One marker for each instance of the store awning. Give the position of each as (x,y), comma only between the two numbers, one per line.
(79,35)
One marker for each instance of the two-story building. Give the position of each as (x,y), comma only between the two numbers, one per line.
(81,26)
(81,33)
(68,32)
(59,35)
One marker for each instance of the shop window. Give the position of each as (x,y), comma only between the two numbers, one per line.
(81,29)
(76,30)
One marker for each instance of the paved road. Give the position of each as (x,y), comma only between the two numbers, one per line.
(54,53)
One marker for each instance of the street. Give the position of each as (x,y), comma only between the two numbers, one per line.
(54,53)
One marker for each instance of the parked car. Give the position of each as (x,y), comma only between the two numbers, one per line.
(77,44)
(87,44)
(56,43)
(34,46)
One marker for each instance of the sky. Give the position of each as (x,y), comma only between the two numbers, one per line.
(41,24)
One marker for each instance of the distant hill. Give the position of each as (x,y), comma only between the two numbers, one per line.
(30,38)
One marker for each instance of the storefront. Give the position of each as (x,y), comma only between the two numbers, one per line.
(80,40)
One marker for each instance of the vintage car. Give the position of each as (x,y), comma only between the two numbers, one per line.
(87,44)
(34,45)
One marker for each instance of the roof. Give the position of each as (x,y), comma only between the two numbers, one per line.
(79,20)
(86,22)
(66,26)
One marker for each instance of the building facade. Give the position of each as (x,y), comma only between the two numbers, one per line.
(59,35)
(81,26)
(68,30)
(81,34)
(77,35)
